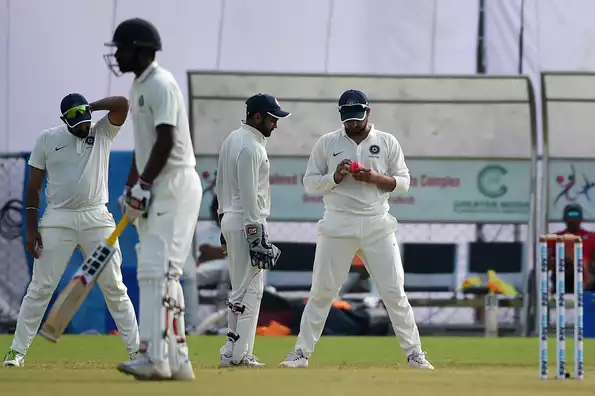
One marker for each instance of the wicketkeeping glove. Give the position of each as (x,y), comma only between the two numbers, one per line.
(263,254)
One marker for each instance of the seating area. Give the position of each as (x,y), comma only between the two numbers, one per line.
(433,275)
(429,267)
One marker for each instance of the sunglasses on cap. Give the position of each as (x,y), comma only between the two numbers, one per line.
(76,111)
(77,115)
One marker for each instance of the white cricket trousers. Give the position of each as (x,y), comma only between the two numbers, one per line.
(340,236)
(247,286)
(165,239)
(61,232)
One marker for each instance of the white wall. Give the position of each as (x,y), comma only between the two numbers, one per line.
(51,48)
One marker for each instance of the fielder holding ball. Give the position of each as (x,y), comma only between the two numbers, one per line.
(356,168)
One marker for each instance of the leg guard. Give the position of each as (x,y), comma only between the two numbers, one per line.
(152,276)
(174,303)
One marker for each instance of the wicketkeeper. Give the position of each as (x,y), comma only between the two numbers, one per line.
(244,196)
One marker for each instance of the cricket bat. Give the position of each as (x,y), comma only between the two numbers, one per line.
(73,295)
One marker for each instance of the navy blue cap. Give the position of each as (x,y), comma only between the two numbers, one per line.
(72,101)
(353,105)
(265,104)
(573,211)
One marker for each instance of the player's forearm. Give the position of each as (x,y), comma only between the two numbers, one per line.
(133,173)
(159,155)
(32,208)
(117,107)
(318,184)
(249,207)
(111,103)
(385,183)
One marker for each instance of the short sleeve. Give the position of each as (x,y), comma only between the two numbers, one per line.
(37,159)
(164,105)
(106,128)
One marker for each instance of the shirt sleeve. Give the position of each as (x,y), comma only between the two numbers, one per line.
(397,167)
(106,128)
(248,166)
(37,159)
(219,182)
(318,179)
(164,105)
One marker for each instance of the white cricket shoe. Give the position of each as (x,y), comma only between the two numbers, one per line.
(295,359)
(247,361)
(13,359)
(144,370)
(418,360)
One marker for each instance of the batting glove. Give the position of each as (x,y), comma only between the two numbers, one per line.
(122,199)
(138,199)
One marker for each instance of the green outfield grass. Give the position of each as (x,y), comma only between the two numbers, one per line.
(367,366)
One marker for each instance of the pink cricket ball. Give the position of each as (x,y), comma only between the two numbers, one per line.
(355,166)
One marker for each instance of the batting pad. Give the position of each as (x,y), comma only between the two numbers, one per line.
(152,273)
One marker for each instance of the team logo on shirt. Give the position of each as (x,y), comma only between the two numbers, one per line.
(90,140)
(141,101)
(374,149)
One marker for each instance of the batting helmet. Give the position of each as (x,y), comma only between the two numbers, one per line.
(136,32)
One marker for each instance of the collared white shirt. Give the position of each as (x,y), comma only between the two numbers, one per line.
(76,168)
(243,175)
(380,151)
(156,99)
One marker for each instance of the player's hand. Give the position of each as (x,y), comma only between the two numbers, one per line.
(34,242)
(137,200)
(342,170)
(122,199)
(263,254)
(365,175)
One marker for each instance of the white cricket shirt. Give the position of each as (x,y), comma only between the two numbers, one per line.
(76,168)
(156,99)
(243,175)
(380,151)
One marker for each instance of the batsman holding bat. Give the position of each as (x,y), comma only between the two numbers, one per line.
(356,218)
(162,197)
(75,157)
(244,195)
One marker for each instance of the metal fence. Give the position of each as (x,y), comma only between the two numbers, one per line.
(14,269)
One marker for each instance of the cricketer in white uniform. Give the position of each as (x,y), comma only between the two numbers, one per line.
(75,159)
(162,197)
(212,267)
(244,194)
(356,217)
